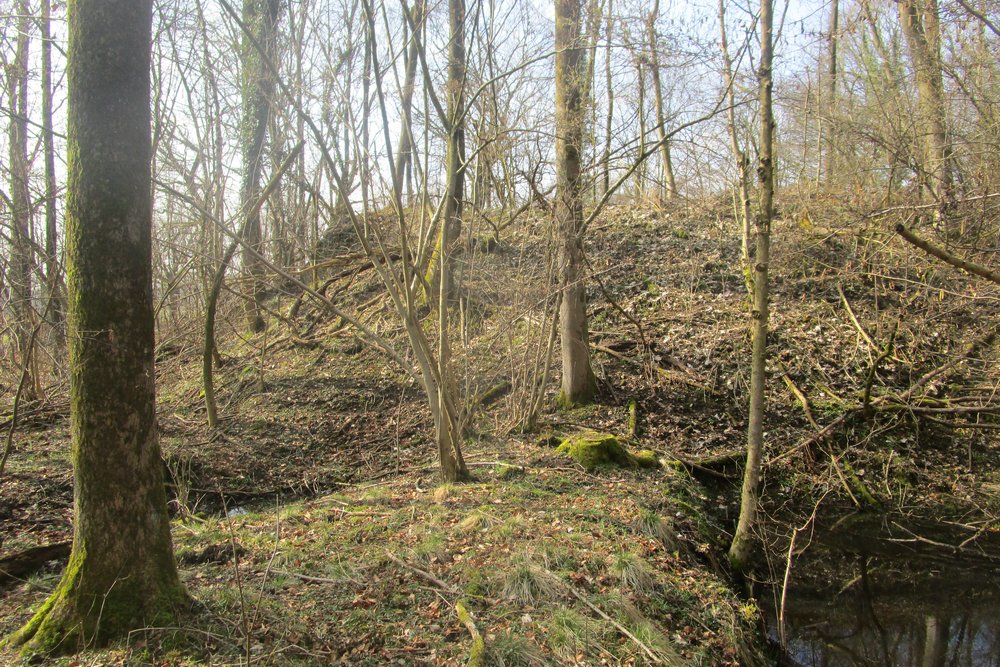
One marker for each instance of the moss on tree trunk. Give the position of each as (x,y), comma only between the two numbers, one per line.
(121,573)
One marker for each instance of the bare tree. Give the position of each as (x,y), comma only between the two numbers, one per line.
(22,252)
(257,89)
(743,539)
(53,273)
(668,183)
(578,382)
(920,22)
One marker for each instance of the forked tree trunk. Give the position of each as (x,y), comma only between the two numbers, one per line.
(404,154)
(257,84)
(741,550)
(121,573)
(578,383)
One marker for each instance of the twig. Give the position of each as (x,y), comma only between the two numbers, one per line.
(902,399)
(306,577)
(801,398)
(655,657)
(853,317)
(668,374)
(423,574)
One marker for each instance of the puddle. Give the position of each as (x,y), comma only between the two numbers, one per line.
(873,591)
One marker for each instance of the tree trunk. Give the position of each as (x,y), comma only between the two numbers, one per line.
(257,88)
(53,275)
(440,278)
(668,185)
(741,550)
(739,155)
(404,153)
(21,254)
(919,20)
(609,118)
(831,94)
(578,383)
(121,573)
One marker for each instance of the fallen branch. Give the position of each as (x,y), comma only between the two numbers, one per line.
(653,655)
(19,566)
(947,257)
(854,318)
(478,651)
(423,574)
(663,372)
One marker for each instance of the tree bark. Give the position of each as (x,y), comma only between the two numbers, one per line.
(121,573)
(257,89)
(578,382)
(741,550)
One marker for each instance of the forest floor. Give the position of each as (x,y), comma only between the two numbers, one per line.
(313,529)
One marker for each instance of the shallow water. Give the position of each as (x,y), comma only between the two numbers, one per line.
(873,591)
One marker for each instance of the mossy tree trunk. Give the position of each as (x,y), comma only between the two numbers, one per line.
(741,550)
(121,573)
(578,383)
(257,89)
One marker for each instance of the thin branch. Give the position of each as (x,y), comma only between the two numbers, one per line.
(947,257)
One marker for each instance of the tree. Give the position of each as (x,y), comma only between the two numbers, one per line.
(739,154)
(831,92)
(578,382)
(743,540)
(919,20)
(668,184)
(121,573)
(53,275)
(257,88)
(22,253)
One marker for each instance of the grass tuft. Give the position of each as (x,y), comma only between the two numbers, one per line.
(633,572)
(570,633)
(509,650)
(655,527)
(529,583)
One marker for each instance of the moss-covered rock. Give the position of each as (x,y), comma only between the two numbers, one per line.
(647,458)
(595,450)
